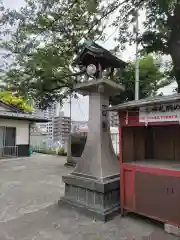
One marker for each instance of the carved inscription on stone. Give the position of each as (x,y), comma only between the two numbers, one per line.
(104,118)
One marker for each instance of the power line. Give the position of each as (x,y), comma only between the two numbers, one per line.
(29,45)
(137,60)
(111,34)
(80,109)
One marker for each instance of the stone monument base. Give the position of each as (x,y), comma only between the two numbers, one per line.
(98,199)
(70,162)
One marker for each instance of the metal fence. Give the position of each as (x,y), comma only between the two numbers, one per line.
(43,147)
(8,152)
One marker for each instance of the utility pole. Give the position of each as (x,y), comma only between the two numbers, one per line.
(69,139)
(137,59)
(70,109)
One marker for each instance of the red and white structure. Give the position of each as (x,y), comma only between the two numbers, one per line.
(150,158)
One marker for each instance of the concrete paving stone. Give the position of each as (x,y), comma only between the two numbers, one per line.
(29,192)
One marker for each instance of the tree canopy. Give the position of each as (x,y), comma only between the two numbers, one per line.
(15,100)
(42,38)
(160,33)
(151,78)
(40,42)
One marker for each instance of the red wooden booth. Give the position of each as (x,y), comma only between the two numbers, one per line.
(150,158)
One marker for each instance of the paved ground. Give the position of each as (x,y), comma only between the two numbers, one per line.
(30,189)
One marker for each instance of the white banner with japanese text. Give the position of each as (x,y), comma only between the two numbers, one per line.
(160,113)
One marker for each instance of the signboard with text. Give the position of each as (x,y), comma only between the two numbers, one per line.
(160,113)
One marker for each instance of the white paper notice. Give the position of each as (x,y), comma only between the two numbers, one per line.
(160,113)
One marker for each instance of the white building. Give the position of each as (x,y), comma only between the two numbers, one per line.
(50,113)
(61,129)
(15,131)
(76,125)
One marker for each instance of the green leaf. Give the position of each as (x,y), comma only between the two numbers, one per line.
(151,78)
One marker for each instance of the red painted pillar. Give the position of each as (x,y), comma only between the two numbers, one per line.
(121,169)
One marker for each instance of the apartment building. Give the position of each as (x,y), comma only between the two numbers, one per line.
(50,113)
(61,129)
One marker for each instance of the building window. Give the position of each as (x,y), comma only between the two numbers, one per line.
(7,141)
(10,136)
(7,136)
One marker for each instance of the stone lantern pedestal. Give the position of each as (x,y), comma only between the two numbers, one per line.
(94,185)
(70,160)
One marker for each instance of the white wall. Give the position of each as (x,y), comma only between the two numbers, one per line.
(22,129)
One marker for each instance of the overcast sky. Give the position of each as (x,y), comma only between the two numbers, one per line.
(80,106)
(13,3)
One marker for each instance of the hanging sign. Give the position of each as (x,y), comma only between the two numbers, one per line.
(160,113)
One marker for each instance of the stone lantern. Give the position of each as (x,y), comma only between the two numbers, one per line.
(93,186)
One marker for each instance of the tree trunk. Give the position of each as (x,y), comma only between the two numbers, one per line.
(175,55)
(177,76)
(174,48)
(174,44)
